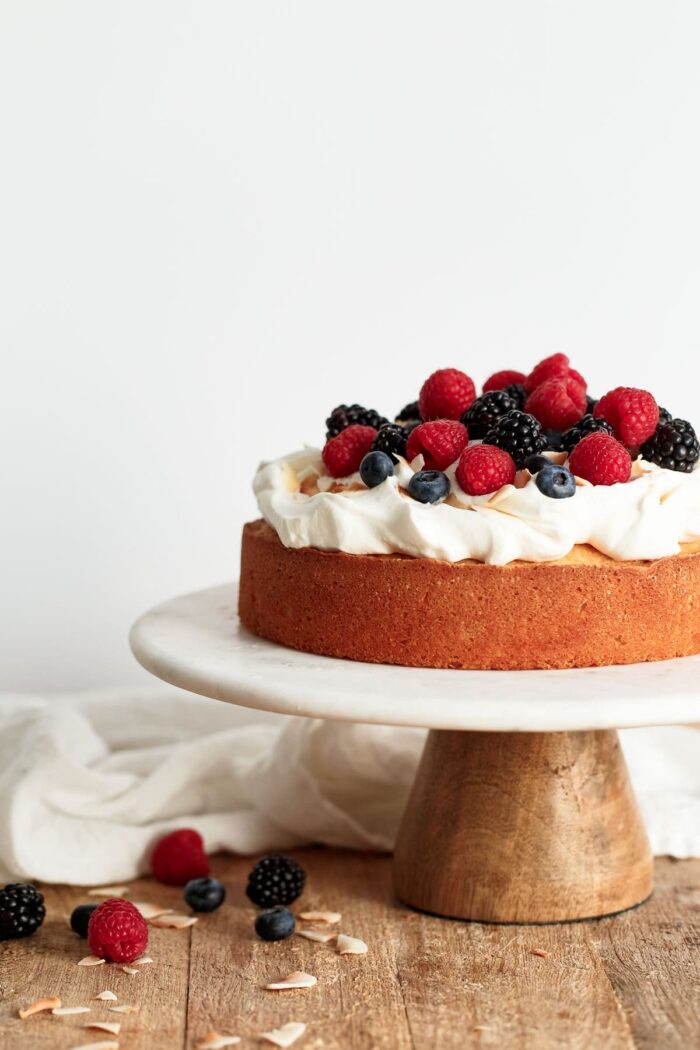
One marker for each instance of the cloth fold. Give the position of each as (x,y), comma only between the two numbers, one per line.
(89,782)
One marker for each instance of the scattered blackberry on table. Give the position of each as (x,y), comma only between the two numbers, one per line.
(347,415)
(204,894)
(485,411)
(391,438)
(275,924)
(80,918)
(275,879)
(410,413)
(554,439)
(556,482)
(588,425)
(375,468)
(518,392)
(429,486)
(22,911)
(519,434)
(674,445)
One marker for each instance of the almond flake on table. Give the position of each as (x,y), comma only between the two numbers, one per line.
(152,911)
(541,952)
(330,917)
(111,1027)
(103,1044)
(174,922)
(39,1005)
(107,997)
(108,891)
(130,970)
(142,960)
(317,935)
(67,1011)
(297,979)
(351,945)
(91,960)
(123,1008)
(285,1035)
(215,1041)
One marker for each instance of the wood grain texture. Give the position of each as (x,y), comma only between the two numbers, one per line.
(522,827)
(627,982)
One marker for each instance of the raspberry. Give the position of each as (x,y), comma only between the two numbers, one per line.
(601,459)
(440,443)
(483,469)
(446,394)
(179,857)
(500,380)
(343,454)
(557,403)
(554,367)
(117,931)
(633,414)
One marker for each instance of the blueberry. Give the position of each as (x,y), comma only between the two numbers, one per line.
(375,468)
(80,918)
(556,482)
(535,463)
(429,486)
(204,894)
(275,924)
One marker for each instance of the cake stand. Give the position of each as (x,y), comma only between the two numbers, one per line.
(522,809)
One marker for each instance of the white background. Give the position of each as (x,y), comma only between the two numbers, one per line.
(218,220)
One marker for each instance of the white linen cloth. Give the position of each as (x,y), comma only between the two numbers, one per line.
(89,783)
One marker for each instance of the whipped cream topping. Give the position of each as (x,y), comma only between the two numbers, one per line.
(646,518)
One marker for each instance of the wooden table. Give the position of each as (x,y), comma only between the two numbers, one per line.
(623,982)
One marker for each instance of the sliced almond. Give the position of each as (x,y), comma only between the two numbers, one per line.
(174,922)
(111,1027)
(542,952)
(331,917)
(214,1041)
(297,979)
(351,945)
(91,960)
(39,1005)
(152,911)
(317,935)
(108,891)
(123,1008)
(66,1011)
(285,1035)
(130,969)
(107,997)
(142,960)
(103,1044)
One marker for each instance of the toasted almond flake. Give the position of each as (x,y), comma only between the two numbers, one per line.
(130,969)
(123,1008)
(152,911)
(103,1044)
(297,979)
(112,1027)
(350,945)
(542,952)
(331,917)
(317,935)
(107,997)
(91,960)
(174,922)
(39,1005)
(66,1011)
(108,891)
(285,1035)
(143,960)
(214,1041)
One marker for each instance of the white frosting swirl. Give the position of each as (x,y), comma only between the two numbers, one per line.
(646,518)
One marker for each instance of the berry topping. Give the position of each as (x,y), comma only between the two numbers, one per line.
(410,413)
(204,894)
(674,445)
(483,413)
(591,402)
(554,439)
(391,438)
(483,469)
(601,459)
(633,414)
(446,394)
(439,442)
(117,931)
(556,482)
(22,911)
(352,415)
(80,918)
(179,857)
(554,367)
(557,403)
(588,425)
(664,416)
(275,924)
(275,879)
(518,434)
(375,468)
(343,454)
(429,486)
(518,393)
(504,379)
(536,463)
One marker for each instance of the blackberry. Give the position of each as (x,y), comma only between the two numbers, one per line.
(664,416)
(22,911)
(673,445)
(346,415)
(588,425)
(485,411)
(410,413)
(519,434)
(554,439)
(518,393)
(275,879)
(391,438)
(591,402)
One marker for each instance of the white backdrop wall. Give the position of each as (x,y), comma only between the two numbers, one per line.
(219,219)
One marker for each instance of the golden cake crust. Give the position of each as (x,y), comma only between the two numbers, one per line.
(584,610)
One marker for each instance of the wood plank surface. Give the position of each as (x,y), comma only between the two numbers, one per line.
(626,982)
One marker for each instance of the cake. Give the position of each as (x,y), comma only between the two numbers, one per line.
(531,526)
